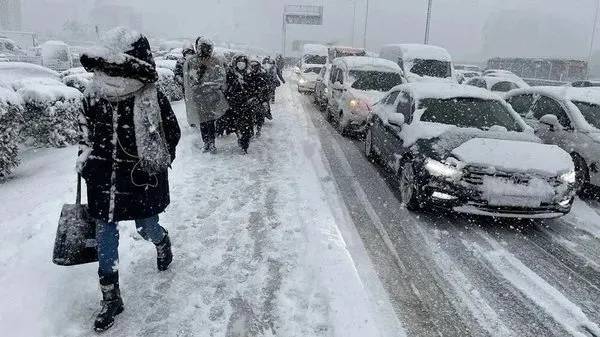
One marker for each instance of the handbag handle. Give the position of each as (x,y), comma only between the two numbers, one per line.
(78,197)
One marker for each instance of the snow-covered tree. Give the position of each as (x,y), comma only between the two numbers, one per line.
(11,120)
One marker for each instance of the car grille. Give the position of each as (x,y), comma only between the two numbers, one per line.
(475,175)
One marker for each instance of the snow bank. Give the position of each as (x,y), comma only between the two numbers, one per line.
(515,156)
(35,81)
(14,71)
(79,81)
(11,120)
(168,64)
(50,114)
(73,71)
(167,84)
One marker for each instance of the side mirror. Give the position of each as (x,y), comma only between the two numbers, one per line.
(552,122)
(396,119)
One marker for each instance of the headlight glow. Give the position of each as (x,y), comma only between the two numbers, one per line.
(568,177)
(301,81)
(353,103)
(438,169)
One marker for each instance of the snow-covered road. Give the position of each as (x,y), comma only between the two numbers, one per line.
(452,275)
(262,247)
(302,237)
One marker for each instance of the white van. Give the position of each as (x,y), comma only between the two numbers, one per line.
(314,54)
(356,83)
(420,62)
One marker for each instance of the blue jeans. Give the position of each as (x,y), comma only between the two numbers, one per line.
(107,236)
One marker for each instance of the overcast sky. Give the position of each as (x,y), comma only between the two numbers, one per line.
(559,28)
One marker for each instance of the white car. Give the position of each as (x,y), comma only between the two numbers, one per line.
(497,84)
(307,77)
(569,118)
(421,62)
(358,82)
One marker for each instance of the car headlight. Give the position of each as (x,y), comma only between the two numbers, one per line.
(326,91)
(569,177)
(301,81)
(354,103)
(439,169)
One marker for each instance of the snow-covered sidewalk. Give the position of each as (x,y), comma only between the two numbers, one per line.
(257,242)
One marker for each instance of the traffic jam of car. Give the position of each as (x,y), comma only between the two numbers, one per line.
(456,137)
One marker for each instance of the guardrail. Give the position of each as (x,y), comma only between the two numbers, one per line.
(542,82)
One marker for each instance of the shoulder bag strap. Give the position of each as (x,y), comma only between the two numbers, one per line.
(78,198)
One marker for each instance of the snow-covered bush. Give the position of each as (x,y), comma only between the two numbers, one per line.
(169,64)
(50,115)
(11,120)
(79,81)
(167,84)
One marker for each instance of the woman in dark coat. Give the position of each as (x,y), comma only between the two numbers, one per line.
(128,138)
(240,99)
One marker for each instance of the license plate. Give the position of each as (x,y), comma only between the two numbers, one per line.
(514,201)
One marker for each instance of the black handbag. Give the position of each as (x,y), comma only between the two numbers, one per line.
(76,234)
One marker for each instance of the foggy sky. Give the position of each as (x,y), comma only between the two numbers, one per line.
(559,28)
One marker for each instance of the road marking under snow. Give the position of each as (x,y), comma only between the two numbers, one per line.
(552,301)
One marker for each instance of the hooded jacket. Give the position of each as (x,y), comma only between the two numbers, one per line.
(117,188)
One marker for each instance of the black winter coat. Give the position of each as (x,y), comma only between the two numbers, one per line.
(117,189)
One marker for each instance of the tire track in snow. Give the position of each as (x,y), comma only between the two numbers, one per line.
(538,290)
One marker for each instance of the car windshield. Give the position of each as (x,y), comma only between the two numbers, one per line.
(314,70)
(591,112)
(315,59)
(374,80)
(432,68)
(468,113)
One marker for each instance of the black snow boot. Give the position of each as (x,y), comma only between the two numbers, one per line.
(112,304)
(164,255)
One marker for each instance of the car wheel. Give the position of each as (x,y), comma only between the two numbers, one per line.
(582,176)
(369,150)
(410,189)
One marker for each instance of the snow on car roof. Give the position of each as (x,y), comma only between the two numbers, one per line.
(588,95)
(414,51)
(367,63)
(315,49)
(14,71)
(445,90)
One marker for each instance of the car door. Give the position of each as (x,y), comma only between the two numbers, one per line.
(320,83)
(565,137)
(330,81)
(392,141)
(378,129)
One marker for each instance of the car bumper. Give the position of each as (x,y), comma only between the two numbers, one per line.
(356,122)
(468,200)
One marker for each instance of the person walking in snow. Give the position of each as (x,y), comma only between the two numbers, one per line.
(271,69)
(204,82)
(280,64)
(187,52)
(128,136)
(259,82)
(239,96)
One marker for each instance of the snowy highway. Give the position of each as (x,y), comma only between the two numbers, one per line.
(455,275)
(302,237)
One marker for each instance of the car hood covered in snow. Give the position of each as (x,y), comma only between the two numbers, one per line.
(495,148)
(514,156)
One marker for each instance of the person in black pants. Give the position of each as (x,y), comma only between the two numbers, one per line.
(239,96)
